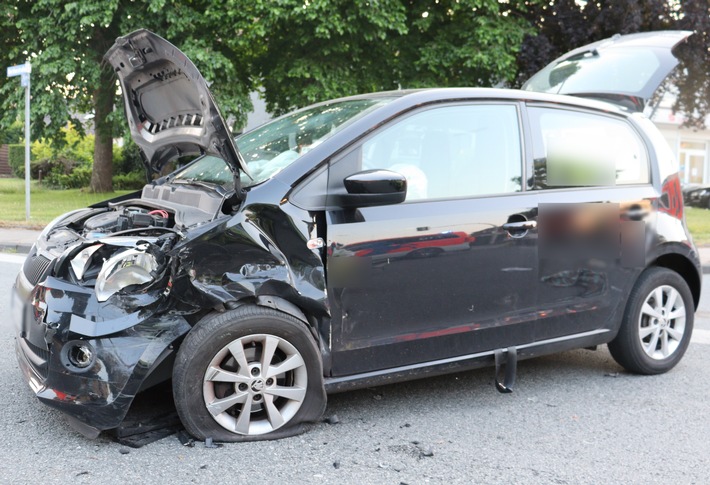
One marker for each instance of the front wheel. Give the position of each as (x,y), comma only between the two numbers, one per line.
(657,324)
(247,374)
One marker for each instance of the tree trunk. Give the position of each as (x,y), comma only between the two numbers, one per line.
(102,174)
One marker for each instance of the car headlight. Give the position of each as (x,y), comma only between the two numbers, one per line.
(129,267)
(81,261)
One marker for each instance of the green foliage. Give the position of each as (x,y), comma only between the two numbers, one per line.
(323,49)
(77,146)
(76,177)
(16,159)
(129,181)
(68,65)
(13,133)
(299,52)
(66,41)
(42,149)
(127,159)
(66,164)
(44,166)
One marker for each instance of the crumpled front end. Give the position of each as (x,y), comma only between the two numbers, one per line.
(102,310)
(94,380)
(259,255)
(99,330)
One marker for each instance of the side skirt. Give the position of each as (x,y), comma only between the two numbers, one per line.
(463,362)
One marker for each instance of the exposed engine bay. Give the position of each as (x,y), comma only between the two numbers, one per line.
(160,209)
(124,244)
(122,219)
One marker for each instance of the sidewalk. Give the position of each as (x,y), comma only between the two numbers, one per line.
(18,240)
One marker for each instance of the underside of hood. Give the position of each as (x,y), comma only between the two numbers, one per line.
(170,110)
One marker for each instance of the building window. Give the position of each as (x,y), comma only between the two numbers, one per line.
(693,157)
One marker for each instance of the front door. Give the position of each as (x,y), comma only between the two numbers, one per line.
(452,270)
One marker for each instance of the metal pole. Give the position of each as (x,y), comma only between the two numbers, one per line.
(27,149)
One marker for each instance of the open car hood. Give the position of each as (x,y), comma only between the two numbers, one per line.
(170,110)
(624,69)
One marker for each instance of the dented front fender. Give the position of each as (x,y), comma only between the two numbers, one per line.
(261,251)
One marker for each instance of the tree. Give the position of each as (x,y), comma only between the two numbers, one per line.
(298,51)
(65,41)
(565,24)
(321,49)
(692,79)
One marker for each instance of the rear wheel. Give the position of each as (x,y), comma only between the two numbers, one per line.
(657,324)
(250,373)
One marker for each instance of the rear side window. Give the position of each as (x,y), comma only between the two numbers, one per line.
(575,149)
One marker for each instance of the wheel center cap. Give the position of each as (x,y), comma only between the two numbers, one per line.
(257,385)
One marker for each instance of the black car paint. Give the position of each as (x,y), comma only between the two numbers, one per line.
(260,255)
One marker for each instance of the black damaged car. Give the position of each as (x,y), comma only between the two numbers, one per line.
(363,241)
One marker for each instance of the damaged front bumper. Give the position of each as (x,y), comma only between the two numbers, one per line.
(88,358)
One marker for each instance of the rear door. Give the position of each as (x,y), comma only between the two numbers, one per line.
(593,184)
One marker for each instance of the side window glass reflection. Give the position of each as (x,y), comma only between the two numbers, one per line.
(455,151)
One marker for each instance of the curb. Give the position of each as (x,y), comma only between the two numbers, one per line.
(20,249)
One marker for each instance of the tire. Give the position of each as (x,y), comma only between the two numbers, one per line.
(219,371)
(657,323)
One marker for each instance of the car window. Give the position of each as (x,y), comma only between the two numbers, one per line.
(612,70)
(453,151)
(575,149)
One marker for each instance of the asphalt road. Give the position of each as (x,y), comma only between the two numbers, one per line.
(575,418)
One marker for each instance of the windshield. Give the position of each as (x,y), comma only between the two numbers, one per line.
(275,145)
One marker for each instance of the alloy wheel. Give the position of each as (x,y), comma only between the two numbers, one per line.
(662,322)
(255,384)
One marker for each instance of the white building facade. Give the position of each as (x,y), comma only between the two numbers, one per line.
(691,146)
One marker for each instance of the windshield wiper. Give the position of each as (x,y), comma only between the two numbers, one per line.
(201,183)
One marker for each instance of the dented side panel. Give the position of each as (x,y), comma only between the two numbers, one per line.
(260,251)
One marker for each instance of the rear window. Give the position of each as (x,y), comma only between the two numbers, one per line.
(625,70)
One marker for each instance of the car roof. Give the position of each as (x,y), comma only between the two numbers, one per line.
(432,95)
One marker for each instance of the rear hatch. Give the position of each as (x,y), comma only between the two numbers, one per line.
(624,69)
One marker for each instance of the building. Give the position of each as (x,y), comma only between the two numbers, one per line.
(690,146)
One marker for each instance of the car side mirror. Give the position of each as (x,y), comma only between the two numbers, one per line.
(372,188)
